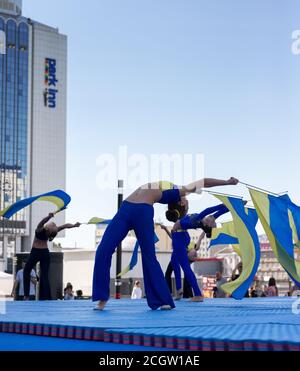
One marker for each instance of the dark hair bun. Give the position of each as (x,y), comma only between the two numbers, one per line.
(208,232)
(172,215)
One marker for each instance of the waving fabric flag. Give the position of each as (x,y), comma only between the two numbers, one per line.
(294,219)
(133,261)
(58,198)
(226,235)
(98,221)
(134,258)
(249,247)
(274,215)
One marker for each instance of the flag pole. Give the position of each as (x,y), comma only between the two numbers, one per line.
(118,281)
(263,190)
(222,194)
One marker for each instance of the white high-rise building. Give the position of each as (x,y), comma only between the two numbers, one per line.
(13,7)
(33,95)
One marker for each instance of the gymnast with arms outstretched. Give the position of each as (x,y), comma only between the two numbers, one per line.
(136,213)
(206,220)
(40,253)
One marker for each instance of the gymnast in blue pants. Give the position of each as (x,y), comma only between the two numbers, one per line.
(206,220)
(136,213)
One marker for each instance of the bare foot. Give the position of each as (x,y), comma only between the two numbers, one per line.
(197,299)
(101,305)
(166,307)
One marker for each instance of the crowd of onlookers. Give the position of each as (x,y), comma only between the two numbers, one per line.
(70,295)
(256,291)
(18,288)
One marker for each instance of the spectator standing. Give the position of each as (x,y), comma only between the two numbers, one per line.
(18,288)
(218,292)
(137,292)
(272,289)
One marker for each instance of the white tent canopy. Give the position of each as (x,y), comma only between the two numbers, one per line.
(6,284)
(5,275)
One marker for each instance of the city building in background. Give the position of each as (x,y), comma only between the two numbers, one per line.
(270,268)
(229,256)
(33,92)
(203,252)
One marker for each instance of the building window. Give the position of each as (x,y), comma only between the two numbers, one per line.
(14,84)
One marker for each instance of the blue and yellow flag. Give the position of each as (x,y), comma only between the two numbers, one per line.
(294,219)
(249,247)
(59,198)
(274,215)
(98,221)
(225,235)
(134,257)
(133,261)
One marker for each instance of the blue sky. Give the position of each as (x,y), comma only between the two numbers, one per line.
(179,76)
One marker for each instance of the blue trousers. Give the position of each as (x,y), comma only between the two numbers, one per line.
(137,217)
(180,258)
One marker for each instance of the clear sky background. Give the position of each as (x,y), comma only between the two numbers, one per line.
(179,76)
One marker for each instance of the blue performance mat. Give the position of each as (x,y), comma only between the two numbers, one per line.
(27,343)
(216,324)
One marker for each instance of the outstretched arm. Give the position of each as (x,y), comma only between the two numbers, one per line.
(197,186)
(193,221)
(222,211)
(197,248)
(177,226)
(14,289)
(44,221)
(68,226)
(216,211)
(166,230)
(209,182)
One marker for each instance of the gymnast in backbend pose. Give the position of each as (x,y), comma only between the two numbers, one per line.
(137,213)
(206,221)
